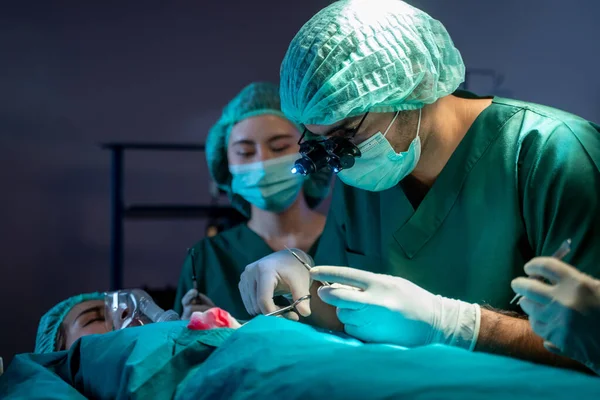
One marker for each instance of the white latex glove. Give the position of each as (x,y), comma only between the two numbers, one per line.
(566,312)
(276,274)
(193,302)
(393,310)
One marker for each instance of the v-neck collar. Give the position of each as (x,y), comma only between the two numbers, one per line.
(248,241)
(436,205)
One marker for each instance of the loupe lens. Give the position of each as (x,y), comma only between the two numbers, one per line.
(335,164)
(342,153)
(303,166)
(347,161)
(314,158)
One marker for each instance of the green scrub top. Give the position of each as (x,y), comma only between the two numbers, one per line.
(524,178)
(218,262)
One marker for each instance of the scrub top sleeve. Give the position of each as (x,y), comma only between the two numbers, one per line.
(560,186)
(332,244)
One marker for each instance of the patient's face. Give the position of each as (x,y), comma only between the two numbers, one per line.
(84,319)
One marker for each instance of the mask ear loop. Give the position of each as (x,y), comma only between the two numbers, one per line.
(394,119)
(391,123)
(419,124)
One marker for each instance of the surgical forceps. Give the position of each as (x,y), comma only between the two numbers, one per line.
(308,267)
(562,251)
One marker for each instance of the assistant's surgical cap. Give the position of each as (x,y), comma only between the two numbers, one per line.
(356,56)
(259,98)
(45,341)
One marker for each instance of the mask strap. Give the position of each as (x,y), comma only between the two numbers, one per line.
(419,124)
(391,123)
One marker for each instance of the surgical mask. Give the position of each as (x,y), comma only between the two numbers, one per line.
(379,167)
(269,185)
(129,308)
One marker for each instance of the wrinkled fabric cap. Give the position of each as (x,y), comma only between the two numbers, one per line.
(356,56)
(45,340)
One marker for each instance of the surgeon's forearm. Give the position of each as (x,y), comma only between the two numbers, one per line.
(509,336)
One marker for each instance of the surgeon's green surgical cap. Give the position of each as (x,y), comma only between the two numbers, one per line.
(367,55)
(259,98)
(45,341)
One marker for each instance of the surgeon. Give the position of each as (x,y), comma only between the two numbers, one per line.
(70,320)
(564,309)
(451,195)
(250,152)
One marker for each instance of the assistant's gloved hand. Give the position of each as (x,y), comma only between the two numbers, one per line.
(276,274)
(566,312)
(393,310)
(193,301)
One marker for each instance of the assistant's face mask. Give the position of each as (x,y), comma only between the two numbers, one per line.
(379,167)
(134,307)
(269,185)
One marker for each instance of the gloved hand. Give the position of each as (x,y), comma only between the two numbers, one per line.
(566,312)
(392,310)
(276,274)
(194,301)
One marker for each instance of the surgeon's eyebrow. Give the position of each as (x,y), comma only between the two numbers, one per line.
(87,311)
(329,132)
(346,125)
(342,126)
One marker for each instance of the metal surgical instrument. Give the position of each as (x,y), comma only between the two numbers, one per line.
(192,254)
(291,307)
(308,267)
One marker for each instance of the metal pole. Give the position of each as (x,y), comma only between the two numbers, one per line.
(116,216)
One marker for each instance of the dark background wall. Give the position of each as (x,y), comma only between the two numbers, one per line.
(74,74)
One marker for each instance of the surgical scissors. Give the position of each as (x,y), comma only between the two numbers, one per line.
(562,251)
(291,307)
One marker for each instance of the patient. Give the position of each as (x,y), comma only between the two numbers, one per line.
(272,357)
(69,320)
(83,315)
